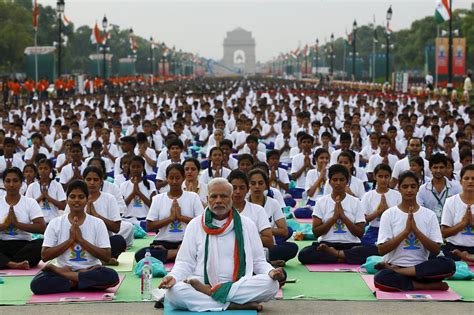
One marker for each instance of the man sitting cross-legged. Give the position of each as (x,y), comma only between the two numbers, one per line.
(220,265)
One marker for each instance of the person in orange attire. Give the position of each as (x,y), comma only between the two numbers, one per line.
(59,86)
(15,89)
(29,86)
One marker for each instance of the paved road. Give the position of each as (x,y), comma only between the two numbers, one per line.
(275,307)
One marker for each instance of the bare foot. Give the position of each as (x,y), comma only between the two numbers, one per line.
(247,306)
(111,262)
(24,265)
(199,286)
(328,249)
(464,256)
(278,263)
(439,286)
(322,247)
(384,265)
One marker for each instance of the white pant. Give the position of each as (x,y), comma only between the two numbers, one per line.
(259,288)
(127,231)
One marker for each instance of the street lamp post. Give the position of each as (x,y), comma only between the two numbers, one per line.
(317,56)
(152,57)
(450,48)
(354,33)
(387,52)
(60,10)
(332,54)
(104,48)
(163,59)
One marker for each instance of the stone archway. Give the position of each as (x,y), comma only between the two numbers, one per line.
(239,51)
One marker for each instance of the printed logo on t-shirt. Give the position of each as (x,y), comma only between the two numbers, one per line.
(339,227)
(412,243)
(77,253)
(138,202)
(11,230)
(175,227)
(468,231)
(45,205)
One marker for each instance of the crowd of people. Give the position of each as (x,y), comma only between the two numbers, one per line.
(209,162)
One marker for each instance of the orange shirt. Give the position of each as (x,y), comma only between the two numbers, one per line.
(59,84)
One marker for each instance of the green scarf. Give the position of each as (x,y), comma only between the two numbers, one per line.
(221,290)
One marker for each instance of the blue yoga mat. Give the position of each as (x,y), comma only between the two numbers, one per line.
(168,310)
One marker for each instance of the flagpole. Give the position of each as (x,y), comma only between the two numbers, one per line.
(98,61)
(36,55)
(373,56)
(436,66)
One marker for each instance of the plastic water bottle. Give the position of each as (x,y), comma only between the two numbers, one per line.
(304,197)
(146,278)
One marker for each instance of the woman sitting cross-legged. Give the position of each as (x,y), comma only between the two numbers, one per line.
(19,216)
(338,221)
(457,220)
(169,215)
(80,242)
(408,234)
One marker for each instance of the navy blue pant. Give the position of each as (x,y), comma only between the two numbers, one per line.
(18,251)
(355,253)
(432,270)
(117,245)
(283,251)
(448,248)
(370,236)
(159,253)
(48,282)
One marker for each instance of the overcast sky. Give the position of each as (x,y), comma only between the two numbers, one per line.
(277,26)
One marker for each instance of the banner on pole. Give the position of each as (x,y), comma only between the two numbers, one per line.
(459,56)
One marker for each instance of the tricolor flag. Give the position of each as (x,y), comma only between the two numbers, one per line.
(295,52)
(306,51)
(349,38)
(442,12)
(133,42)
(95,36)
(35,15)
(66,21)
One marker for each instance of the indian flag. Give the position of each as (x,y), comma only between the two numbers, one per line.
(442,13)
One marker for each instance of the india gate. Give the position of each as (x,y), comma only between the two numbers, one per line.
(239,51)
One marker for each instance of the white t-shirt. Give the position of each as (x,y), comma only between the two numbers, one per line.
(106,206)
(311,178)
(410,252)
(152,155)
(377,159)
(26,210)
(273,210)
(404,165)
(205,178)
(201,191)
(371,201)
(282,176)
(114,190)
(93,230)
(453,212)
(297,164)
(29,153)
(335,155)
(137,208)
(280,142)
(67,173)
(324,210)
(160,209)
(55,190)
(257,214)
(355,184)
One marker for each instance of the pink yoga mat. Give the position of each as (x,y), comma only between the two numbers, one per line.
(434,295)
(310,220)
(151,233)
(471,268)
(77,296)
(334,268)
(169,266)
(279,295)
(21,272)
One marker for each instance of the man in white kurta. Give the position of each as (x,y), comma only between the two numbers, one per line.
(259,282)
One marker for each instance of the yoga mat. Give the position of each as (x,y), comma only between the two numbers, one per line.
(308,220)
(125,260)
(434,295)
(151,234)
(20,272)
(471,268)
(279,295)
(77,296)
(465,288)
(168,310)
(334,268)
(169,266)
(15,290)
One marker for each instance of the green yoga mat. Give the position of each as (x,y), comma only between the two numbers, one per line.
(325,285)
(15,290)
(126,261)
(465,288)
